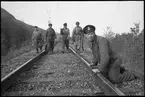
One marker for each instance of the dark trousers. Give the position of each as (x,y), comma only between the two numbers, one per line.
(49,47)
(39,44)
(118,74)
(65,42)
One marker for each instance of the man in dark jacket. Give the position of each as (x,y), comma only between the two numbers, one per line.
(65,37)
(50,38)
(109,61)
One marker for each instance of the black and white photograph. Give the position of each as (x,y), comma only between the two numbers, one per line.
(72,48)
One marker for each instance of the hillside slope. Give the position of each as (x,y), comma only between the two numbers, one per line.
(13,32)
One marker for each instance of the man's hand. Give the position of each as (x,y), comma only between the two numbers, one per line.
(96,70)
(93,65)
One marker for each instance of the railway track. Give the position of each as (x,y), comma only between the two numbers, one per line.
(6,81)
(57,74)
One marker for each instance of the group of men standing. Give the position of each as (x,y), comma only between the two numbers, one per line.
(50,37)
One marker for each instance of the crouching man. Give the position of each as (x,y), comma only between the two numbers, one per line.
(110,62)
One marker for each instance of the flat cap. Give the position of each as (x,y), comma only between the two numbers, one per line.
(35,27)
(65,24)
(87,28)
(49,24)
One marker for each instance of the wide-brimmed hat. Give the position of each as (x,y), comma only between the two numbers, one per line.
(87,28)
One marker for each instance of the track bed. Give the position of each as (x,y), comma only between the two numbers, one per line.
(56,74)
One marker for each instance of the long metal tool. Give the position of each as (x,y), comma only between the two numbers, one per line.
(105,84)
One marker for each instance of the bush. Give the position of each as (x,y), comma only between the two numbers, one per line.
(131,48)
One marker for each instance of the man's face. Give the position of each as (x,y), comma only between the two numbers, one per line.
(77,24)
(90,36)
(36,28)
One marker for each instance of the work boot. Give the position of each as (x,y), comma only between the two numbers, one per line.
(50,52)
(67,50)
(62,52)
(81,50)
(77,51)
(138,75)
(40,49)
(37,51)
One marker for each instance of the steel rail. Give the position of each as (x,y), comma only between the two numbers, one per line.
(105,84)
(11,77)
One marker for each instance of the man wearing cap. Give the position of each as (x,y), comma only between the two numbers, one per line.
(105,59)
(65,37)
(50,38)
(37,39)
(77,36)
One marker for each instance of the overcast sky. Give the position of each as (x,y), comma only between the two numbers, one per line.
(119,15)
